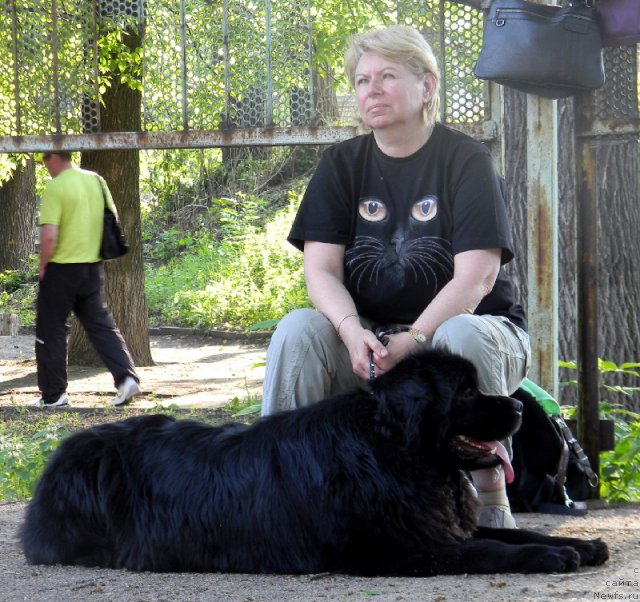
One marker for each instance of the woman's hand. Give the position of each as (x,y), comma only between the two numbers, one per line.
(360,342)
(398,347)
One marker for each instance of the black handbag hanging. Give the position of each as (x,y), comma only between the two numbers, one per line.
(114,243)
(550,51)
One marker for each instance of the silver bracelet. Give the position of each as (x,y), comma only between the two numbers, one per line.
(351,315)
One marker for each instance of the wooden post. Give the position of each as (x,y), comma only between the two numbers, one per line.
(9,325)
(587,289)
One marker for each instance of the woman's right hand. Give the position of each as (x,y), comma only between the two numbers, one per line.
(360,342)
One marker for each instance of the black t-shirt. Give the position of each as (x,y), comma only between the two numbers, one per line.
(402,220)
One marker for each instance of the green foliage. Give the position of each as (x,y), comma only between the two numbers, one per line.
(173,180)
(22,458)
(169,243)
(12,280)
(619,475)
(18,289)
(609,368)
(116,59)
(246,274)
(244,407)
(8,164)
(28,440)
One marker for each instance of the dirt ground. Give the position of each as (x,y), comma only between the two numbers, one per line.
(190,371)
(202,372)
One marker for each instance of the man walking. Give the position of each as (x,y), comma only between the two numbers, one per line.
(71,277)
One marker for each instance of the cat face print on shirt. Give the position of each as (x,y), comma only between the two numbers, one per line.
(396,247)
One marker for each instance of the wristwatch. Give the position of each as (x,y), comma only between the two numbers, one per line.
(419,337)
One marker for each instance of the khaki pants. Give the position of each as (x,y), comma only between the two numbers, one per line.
(306,361)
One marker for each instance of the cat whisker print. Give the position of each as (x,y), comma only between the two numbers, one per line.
(363,258)
(430,257)
(402,261)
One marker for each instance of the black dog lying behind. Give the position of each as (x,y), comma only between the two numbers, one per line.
(358,483)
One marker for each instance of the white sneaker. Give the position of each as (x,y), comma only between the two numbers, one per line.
(126,391)
(63,400)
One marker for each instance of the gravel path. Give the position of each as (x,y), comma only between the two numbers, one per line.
(616,580)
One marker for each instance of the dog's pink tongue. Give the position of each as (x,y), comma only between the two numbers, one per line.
(501,452)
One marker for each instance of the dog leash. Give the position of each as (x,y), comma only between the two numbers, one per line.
(382,334)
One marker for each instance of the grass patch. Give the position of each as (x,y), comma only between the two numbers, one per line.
(29,437)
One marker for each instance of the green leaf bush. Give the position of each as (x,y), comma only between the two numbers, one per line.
(18,290)
(619,475)
(250,274)
(620,478)
(22,458)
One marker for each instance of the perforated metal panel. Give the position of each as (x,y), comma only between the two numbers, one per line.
(119,11)
(213,65)
(464,94)
(247,64)
(41,91)
(618,99)
(207,65)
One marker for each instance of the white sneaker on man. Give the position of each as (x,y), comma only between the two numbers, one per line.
(63,400)
(128,389)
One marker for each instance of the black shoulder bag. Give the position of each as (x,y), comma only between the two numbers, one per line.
(552,472)
(114,244)
(551,51)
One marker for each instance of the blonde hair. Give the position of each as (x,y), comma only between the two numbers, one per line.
(400,44)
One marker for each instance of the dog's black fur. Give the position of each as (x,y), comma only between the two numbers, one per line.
(367,484)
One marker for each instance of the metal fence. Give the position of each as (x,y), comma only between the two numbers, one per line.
(207,66)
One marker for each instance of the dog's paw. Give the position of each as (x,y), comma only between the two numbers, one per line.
(592,553)
(548,559)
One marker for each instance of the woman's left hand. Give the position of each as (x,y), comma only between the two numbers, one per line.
(399,346)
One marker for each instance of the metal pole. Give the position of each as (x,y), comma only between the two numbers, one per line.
(587,294)
(542,243)
(268,105)
(16,67)
(227,68)
(183,61)
(55,66)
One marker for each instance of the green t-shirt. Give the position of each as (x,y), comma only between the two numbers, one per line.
(73,201)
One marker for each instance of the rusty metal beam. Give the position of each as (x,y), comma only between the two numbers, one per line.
(190,139)
(201,139)
(612,127)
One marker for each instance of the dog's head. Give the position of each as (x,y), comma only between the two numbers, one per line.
(429,403)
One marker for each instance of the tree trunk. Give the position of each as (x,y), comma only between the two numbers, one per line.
(124,276)
(18,210)
(516,176)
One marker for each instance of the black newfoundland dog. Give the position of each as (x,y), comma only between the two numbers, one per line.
(366,484)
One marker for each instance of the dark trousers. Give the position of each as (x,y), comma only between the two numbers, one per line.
(77,287)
